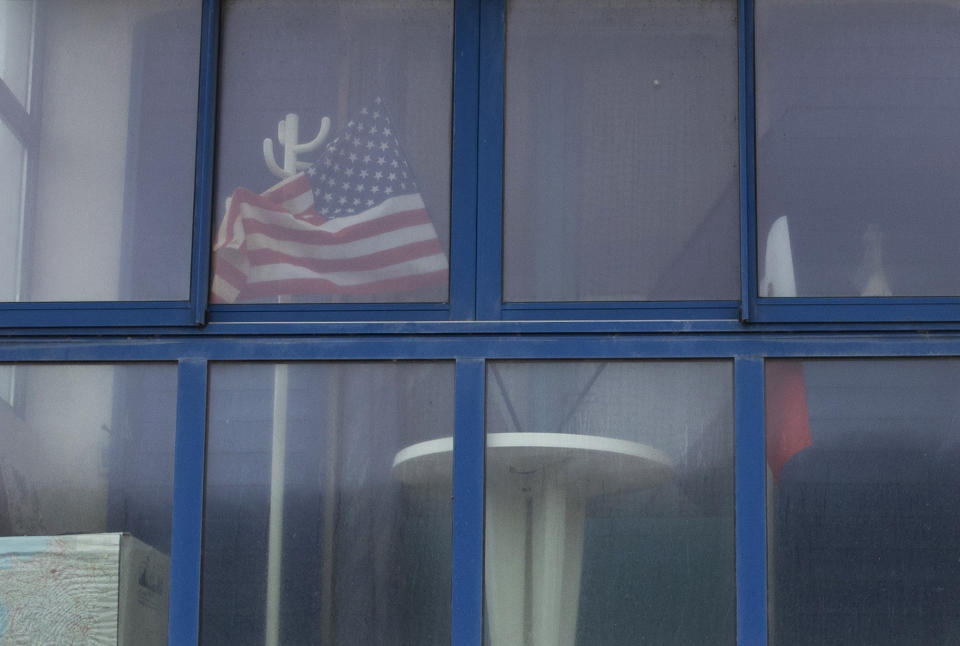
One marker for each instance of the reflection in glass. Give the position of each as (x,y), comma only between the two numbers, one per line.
(362,213)
(11,213)
(610,515)
(620,179)
(862,521)
(16,46)
(311,536)
(857,136)
(112,154)
(85,450)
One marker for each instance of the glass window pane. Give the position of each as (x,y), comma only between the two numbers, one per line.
(11,212)
(317,530)
(621,151)
(113,156)
(16,46)
(857,134)
(86,453)
(862,502)
(364,215)
(610,503)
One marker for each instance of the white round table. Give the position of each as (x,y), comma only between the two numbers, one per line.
(537,485)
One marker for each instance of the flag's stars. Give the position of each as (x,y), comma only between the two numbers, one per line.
(387,132)
(375,189)
(388,190)
(331,148)
(342,200)
(348,172)
(376,114)
(345,186)
(324,211)
(356,201)
(359,188)
(350,123)
(336,167)
(373,130)
(331,182)
(394,164)
(384,146)
(370,202)
(403,185)
(352,157)
(350,211)
(370,144)
(392,177)
(311,171)
(366,159)
(381,160)
(360,127)
(378,175)
(328,197)
(364,173)
(356,141)
(327,162)
(364,111)
(378,100)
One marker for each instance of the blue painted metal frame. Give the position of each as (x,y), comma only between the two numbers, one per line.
(186,540)
(490,160)
(751,502)
(206,146)
(468,487)
(748,160)
(463,191)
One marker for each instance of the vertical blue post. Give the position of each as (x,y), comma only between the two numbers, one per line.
(748,161)
(490,161)
(463,200)
(203,186)
(468,450)
(188,503)
(751,503)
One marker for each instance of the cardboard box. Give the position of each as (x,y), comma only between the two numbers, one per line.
(82,589)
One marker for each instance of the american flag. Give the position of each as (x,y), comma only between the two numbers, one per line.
(352,223)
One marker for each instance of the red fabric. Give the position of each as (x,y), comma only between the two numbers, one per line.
(787,419)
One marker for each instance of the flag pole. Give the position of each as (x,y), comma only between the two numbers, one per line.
(287,137)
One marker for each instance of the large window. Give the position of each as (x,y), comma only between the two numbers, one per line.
(480,322)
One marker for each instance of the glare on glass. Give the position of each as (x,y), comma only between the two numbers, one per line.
(86,499)
(333,152)
(862,521)
(857,136)
(609,503)
(111,173)
(620,169)
(312,533)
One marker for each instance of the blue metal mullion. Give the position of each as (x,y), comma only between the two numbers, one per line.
(750,503)
(490,161)
(468,448)
(206,129)
(186,541)
(463,200)
(748,159)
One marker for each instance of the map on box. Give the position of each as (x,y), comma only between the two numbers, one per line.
(82,589)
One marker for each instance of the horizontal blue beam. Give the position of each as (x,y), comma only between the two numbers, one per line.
(546,346)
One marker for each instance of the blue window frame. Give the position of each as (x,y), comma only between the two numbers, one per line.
(474,326)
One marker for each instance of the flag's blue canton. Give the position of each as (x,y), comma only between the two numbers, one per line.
(361,167)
